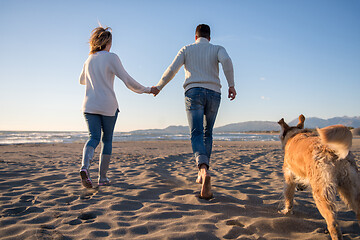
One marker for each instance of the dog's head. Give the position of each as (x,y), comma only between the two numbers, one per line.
(288,132)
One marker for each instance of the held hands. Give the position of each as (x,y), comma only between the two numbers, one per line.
(232,93)
(155,91)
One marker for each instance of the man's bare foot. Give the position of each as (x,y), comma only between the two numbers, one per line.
(199,178)
(206,188)
(205,192)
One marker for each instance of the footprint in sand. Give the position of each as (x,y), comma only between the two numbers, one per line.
(127,206)
(14,211)
(21,211)
(234,223)
(87,216)
(26,198)
(237,230)
(83,216)
(87,193)
(48,232)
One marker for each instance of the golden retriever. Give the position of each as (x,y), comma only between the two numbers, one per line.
(322,160)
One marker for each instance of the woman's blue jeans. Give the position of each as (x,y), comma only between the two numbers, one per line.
(101,127)
(201,107)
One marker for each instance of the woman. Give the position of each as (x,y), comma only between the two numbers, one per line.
(100,106)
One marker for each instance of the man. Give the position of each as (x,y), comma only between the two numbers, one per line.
(202,95)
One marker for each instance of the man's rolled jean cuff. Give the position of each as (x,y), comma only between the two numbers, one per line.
(202,159)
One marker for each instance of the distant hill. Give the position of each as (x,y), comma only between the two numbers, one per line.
(168,130)
(311,122)
(356,132)
(314,122)
(250,126)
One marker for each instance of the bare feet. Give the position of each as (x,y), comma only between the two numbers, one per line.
(199,179)
(85,178)
(205,178)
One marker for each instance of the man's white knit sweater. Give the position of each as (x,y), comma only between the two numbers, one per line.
(201,63)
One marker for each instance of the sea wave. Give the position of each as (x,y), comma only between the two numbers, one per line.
(25,137)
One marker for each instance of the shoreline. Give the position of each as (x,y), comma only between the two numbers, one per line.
(74,137)
(356,142)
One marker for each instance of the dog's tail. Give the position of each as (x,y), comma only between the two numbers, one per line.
(338,138)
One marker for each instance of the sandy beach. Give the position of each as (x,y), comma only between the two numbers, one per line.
(153,194)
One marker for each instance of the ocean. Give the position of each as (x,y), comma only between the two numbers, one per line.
(24,137)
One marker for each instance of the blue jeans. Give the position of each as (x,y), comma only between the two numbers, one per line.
(96,124)
(201,108)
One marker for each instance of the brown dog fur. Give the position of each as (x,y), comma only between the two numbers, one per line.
(326,164)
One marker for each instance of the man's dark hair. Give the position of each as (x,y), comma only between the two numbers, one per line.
(203,30)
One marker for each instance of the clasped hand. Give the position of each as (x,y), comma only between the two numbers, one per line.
(155,91)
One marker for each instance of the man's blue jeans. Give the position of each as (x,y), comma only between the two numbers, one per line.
(98,123)
(201,107)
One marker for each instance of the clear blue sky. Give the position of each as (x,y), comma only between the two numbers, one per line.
(289,57)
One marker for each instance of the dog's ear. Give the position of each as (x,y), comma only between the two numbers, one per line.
(301,122)
(283,124)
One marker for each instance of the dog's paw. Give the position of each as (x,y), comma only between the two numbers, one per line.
(286,211)
(301,187)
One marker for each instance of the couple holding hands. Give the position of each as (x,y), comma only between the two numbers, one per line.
(202,98)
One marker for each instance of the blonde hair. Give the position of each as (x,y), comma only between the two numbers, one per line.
(100,37)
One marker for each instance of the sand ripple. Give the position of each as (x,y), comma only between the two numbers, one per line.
(153,195)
